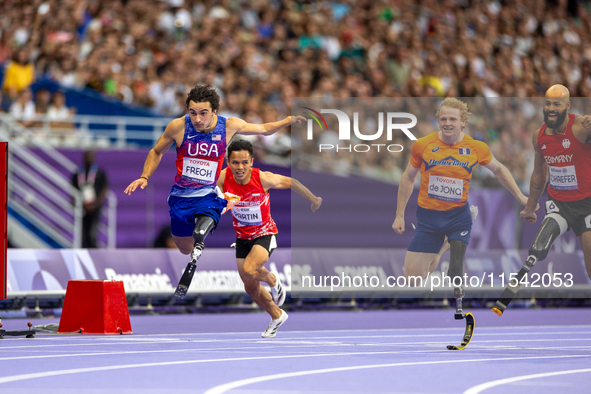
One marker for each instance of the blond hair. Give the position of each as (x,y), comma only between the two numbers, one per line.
(452,102)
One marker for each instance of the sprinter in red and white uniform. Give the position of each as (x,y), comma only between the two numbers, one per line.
(200,138)
(256,232)
(563,150)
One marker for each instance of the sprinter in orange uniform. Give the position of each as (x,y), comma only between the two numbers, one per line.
(446,160)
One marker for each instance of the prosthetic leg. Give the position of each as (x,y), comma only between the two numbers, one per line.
(552,226)
(456,269)
(203,226)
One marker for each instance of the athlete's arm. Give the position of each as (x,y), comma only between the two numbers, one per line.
(537,183)
(155,155)
(239,126)
(220,182)
(506,179)
(275,181)
(582,129)
(404,192)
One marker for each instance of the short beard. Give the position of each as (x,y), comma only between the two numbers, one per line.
(559,119)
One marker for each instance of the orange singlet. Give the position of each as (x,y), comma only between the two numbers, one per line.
(446,170)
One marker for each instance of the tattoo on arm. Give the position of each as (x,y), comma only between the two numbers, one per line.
(535,185)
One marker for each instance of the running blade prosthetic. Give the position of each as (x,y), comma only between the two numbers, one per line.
(185,282)
(467,334)
(511,290)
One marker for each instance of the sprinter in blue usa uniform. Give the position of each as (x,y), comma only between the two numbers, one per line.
(201,137)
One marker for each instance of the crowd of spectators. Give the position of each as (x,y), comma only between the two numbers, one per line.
(261,53)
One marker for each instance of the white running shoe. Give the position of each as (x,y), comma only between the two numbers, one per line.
(278,293)
(271,331)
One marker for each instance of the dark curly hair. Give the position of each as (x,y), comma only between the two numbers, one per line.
(239,145)
(203,94)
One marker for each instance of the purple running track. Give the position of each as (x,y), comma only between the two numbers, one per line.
(542,350)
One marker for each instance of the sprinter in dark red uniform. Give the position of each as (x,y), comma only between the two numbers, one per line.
(256,232)
(562,150)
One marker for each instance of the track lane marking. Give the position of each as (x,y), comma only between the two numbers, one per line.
(244,382)
(499,382)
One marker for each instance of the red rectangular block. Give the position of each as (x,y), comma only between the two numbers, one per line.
(3,216)
(95,307)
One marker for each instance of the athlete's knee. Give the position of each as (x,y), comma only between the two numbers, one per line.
(203,226)
(552,226)
(457,252)
(183,246)
(184,250)
(251,268)
(416,264)
(415,273)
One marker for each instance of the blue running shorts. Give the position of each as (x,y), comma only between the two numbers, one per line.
(183,211)
(433,226)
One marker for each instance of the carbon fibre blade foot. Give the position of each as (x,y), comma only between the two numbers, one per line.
(467,334)
(185,282)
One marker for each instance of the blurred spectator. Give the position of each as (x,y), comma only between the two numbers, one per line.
(42,98)
(57,111)
(264,53)
(60,116)
(23,108)
(19,74)
(5,48)
(93,185)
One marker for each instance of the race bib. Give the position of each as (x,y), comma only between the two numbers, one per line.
(551,207)
(248,216)
(563,178)
(88,194)
(199,170)
(446,189)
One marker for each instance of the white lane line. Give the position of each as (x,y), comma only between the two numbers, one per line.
(280,345)
(494,383)
(217,334)
(27,376)
(147,340)
(94,344)
(244,382)
(431,335)
(332,345)
(162,351)
(94,354)
(478,341)
(207,351)
(380,330)
(433,349)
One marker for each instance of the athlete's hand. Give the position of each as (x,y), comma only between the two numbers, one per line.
(316,204)
(299,119)
(231,199)
(398,225)
(523,201)
(141,182)
(529,217)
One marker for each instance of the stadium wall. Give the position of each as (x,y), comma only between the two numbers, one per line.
(33,272)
